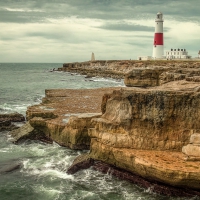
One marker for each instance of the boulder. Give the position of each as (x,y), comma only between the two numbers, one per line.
(192,150)
(9,166)
(7,119)
(72,132)
(27,132)
(13,117)
(81,162)
(143,77)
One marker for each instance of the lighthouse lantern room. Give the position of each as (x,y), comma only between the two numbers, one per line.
(158,49)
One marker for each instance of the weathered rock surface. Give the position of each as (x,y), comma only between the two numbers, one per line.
(84,161)
(143,131)
(140,130)
(81,162)
(192,150)
(28,132)
(144,77)
(155,76)
(7,119)
(151,185)
(9,166)
(138,73)
(65,115)
(71,132)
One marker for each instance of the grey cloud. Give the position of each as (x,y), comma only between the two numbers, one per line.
(20,17)
(126,27)
(100,9)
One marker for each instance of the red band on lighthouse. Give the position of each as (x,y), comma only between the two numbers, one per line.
(158,39)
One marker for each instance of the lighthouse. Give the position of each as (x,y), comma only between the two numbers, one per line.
(158,48)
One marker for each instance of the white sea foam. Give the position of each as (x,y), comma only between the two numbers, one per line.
(107,80)
(44,169)
(5,107)
(8,108)
(4,150)
(47,192)
(55,173)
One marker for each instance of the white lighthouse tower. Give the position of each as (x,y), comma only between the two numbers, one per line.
(158,48)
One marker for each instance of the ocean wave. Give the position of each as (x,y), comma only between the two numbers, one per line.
(10,108)
(107,80)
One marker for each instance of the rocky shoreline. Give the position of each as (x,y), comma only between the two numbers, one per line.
(84,161)
(147,132)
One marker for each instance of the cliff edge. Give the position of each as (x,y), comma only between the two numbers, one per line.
(149,129)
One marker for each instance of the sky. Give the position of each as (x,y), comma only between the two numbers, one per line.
(59,31)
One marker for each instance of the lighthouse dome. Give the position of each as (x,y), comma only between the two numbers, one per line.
(159,16)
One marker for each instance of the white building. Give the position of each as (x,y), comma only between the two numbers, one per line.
(177,54)
(144,58)
(199,54)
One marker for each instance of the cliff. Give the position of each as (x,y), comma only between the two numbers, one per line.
(144,130)
(64,115)
(134,69)
(148,130)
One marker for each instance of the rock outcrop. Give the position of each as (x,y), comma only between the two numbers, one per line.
(7,119)
(138,73)
(192,150)
(143,131)
(150,130)
(81,162)
(9,166)
(64,116)
(71,132)
(144,77)
(28,132)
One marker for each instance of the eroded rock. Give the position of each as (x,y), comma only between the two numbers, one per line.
(28,132)
(81,162)
(143,77)
(145,121)
(7,119)
(192,150)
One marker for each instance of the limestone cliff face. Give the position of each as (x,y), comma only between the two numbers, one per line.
(151,76)
(144,77)
(147,122)
(138,73)
(71,132)
(64,115)
(161,120)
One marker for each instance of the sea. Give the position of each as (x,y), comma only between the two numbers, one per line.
(42,173)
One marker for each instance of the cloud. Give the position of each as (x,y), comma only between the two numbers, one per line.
(66,30)
(120,26)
